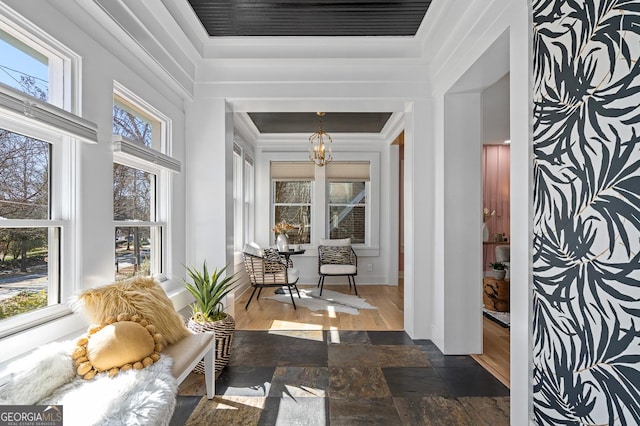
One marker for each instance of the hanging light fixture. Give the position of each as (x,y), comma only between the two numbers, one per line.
(320,145)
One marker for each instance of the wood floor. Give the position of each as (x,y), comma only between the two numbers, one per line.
(495,356)
(266,314)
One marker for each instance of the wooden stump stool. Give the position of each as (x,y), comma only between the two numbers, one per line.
(496,294)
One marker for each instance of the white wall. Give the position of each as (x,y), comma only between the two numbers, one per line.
(495,112)
(486,41)
(94,202)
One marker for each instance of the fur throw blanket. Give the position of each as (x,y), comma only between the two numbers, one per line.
(47,377)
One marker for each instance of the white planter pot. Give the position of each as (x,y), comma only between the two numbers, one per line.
(499,274)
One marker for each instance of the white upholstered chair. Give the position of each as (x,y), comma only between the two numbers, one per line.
(337,258)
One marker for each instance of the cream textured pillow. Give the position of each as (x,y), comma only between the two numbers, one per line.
(341,242)
(117,344)
(140,295)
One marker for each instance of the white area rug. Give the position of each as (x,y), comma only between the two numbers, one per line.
(330,300)
(135,397)
(502,318)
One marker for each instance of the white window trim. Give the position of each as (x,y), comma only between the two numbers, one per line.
(61,199)
(248,199)
(367,207)
(131,154)
(65,66)
(247,187)
(272,206)
(161,136)
(54,122)
(159,254)
(319,213)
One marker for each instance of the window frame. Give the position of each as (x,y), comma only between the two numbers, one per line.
(157,162)
(249,199)
(274,205)
(243,196)
(367,215)
(61,270)
(320,210)
(63,63)
(238,199)
(52,121)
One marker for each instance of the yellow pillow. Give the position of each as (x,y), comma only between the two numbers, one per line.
(140,295)
(118,344)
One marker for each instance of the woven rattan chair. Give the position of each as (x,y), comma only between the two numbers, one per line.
(337,258)
(270,270)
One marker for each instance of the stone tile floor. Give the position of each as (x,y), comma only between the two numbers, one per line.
(343,378)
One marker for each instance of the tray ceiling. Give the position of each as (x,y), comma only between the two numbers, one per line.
(328,18)
(308,122)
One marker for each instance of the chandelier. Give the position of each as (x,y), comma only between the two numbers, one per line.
(320,145)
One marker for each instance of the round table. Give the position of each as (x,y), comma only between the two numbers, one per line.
(288,253)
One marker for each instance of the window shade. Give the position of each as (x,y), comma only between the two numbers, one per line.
(125,147)
(292,170)
(14,103)
(348,171)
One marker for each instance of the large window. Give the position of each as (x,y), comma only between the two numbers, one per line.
(335,197)
(348,211)
(249,200)
(29,252)
(139,184)
(243,199)
(36,185)
(238,202)
(292,204)
(348,200)
(134,205)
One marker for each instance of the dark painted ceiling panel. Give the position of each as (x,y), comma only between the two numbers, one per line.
(233,18)
(308,122)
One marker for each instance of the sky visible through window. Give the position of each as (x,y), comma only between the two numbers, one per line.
(16,64)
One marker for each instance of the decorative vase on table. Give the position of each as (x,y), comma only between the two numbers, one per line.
(485,232)
(282,242)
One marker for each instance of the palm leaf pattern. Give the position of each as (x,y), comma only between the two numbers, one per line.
(586,243)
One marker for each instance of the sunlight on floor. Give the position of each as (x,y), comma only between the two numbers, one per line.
(334,335)
(238,403)
(297,330)
(332,311)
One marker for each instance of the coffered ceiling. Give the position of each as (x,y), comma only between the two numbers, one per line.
(327,18)
(307,122)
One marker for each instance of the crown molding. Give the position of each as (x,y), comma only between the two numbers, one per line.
(147,39)
(246,129)
(393,127)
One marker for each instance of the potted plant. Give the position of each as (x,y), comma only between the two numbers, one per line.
(499,270)
(207,312)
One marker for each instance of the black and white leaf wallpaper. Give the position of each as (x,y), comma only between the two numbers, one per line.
(586,296)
